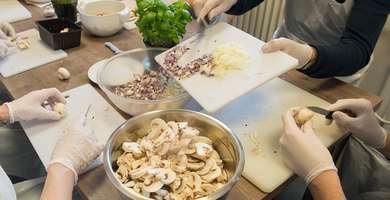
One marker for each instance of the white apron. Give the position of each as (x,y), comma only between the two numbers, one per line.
(317,22)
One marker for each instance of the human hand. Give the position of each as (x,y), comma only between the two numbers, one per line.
(302,52)
(30,106)
(7,48)
(364,126)
(77,148)
(301,149)
(6,31)
(211,8)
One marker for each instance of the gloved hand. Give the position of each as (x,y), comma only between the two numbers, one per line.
(77,148)
(301,149)
(6,31)
(7,48)
(364,126)
(302,52)
(211,8)
(29,107)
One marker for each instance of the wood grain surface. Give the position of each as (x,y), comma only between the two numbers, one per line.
(95,185)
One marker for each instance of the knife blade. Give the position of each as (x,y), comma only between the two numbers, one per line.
(328,114)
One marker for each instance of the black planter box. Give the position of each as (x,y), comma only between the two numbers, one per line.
(50,33)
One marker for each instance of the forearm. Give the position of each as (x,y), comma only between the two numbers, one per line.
(4,115)
(353,51)
(59,183)
(327,186)
(386,150)
(242,6)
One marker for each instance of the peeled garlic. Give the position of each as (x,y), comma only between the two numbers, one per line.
(59,108)
(63,73)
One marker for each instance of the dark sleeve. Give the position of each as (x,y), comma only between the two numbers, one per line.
(356,45)
(242,6)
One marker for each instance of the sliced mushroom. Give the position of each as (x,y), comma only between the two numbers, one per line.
(195,165)
(182,125)
(130,184)
(179,164)
(123,173)
(137,173)
(187,193)
(212,175)
(157,126)
(132,147)
(137,163)
(163,149)
(153,187)
(174,127)
(202,139)
(207,189)
(175,184)
(197,182)
(162,192)
(210,164)
(189,132)
(203,150)
(223,178)
(145,193)
(167,176)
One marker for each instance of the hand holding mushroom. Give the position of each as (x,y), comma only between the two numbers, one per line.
(302,150)
(31,106)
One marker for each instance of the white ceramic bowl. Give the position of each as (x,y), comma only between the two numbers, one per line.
(115,14)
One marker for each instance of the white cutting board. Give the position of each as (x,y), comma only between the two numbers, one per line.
(212,93)
(259,113)
(38,54)
(102,118)
(12,11)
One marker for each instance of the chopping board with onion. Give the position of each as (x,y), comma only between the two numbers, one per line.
(215,92)
(102,118)
(12,11)
(256,119)
(35,55)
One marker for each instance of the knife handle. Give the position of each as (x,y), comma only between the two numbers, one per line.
(346,111)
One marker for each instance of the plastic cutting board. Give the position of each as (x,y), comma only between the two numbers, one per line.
(12,11)
(38,54)
(256,119)
(102,118)
(212,93)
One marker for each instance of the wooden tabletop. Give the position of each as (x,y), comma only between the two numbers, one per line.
(95,185)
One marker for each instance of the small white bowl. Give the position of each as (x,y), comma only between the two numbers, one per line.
(104,18)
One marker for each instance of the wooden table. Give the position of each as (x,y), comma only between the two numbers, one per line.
(95,185)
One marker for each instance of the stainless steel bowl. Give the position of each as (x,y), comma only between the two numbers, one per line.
(224,141)
(121,68)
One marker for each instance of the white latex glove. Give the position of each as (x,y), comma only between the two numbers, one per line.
(211,8)
(29,107)
(301,149)
(77,148)
(364,126)
(6,31)
(302,52)
(7,48)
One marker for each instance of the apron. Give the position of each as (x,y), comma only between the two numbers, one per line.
(317,22)
(17,156)
(364,172)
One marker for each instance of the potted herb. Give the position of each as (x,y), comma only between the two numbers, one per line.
(65,9)
(162,25)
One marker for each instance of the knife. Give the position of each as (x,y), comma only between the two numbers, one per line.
(328,114)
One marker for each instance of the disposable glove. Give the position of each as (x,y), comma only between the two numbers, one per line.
(30,106)
(211,8)
(7,48)
(302,52)
(364,126)
(77,148)
(301,149)
(6,31)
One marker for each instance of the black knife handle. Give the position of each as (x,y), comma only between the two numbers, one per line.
(348,112)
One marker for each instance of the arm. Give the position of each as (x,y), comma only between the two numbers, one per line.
(327,186)
(386,150)
(59,183)
(356,45)
(4,117)
(243,6)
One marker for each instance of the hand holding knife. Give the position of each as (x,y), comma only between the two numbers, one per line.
(328,114)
